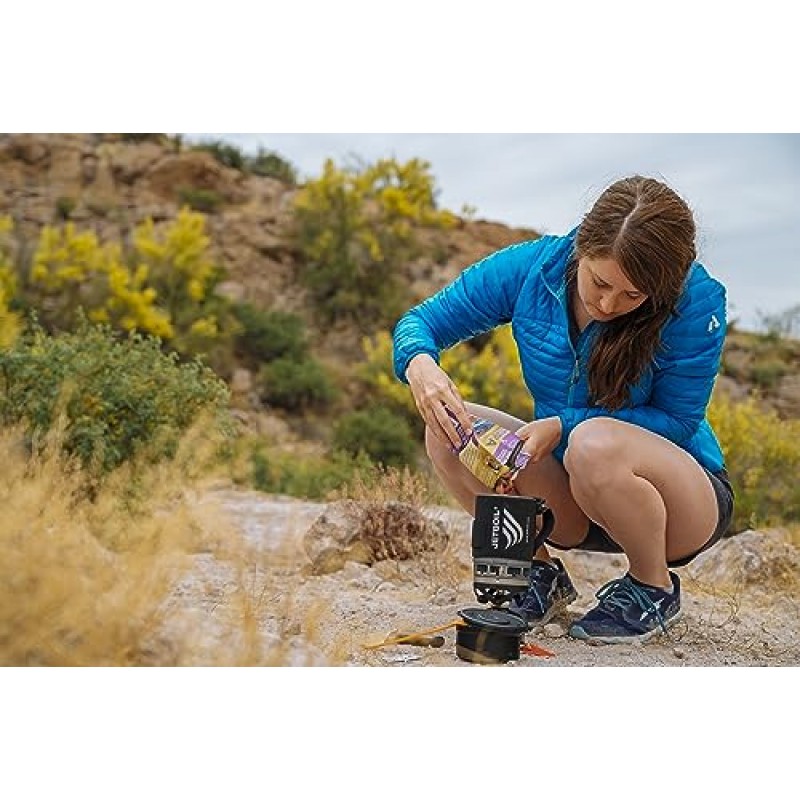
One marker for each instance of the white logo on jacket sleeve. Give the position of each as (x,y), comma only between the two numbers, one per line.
(713,323)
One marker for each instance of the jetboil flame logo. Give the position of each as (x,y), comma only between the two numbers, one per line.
(504,523)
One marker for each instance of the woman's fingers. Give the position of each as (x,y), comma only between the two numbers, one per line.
(444,421)
(426,411)
(540,437)
(437,398)
(459,411)
(524,431)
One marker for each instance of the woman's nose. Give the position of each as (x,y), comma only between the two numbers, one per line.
(606,304)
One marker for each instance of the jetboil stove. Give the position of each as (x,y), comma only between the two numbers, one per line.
(506,532)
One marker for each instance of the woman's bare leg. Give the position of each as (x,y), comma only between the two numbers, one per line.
(650,495)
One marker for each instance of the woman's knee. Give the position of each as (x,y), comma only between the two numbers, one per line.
(594,450)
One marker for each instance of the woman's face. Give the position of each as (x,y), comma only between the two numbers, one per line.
(605,291)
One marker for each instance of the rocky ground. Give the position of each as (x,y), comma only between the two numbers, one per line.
(290,604)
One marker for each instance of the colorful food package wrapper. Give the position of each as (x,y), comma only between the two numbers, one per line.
(493,454)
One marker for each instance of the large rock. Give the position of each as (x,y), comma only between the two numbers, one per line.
(28,148)
(754,559)
(367,533)
(193,170)
(129,161)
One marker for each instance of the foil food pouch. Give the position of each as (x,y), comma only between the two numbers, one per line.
(493,454)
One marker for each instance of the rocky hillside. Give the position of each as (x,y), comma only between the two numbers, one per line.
(111,182)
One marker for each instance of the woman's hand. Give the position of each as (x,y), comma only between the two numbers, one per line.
(434,393)
(541,437)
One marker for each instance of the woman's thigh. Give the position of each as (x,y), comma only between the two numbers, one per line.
(605,450)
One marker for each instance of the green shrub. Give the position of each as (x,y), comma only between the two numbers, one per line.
(64,207)
(383,436)
(269,164)
(295,385)
(310,478)
(207,201)
(116,397)
(766,374)
(229,155)
(135,138)
(268,335)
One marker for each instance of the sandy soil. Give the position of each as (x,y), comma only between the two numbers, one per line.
(740,599)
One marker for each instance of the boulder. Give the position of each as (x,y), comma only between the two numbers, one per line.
(193,170)
(763,558)
(367,533)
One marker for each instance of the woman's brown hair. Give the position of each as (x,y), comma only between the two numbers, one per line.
(650,232)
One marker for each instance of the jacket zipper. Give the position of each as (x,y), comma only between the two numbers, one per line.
(576,367)
(573,381)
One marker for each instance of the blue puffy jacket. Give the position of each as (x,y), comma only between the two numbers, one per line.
(525,284)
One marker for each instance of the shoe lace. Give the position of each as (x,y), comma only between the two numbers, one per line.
(621,593)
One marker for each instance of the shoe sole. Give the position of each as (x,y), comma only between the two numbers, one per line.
(576,632)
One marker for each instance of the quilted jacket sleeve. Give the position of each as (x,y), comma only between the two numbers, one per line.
(481,298)
(683,374)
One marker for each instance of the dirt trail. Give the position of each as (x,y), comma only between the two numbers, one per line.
(740,599)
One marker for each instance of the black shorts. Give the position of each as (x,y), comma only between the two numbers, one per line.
(598,541)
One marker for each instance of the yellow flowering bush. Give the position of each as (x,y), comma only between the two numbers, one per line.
(762,453)
(377,374)
(355,228)
(162,285)
(177,259)
(73,270)
(9,321)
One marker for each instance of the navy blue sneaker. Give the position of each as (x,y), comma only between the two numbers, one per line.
(550,591)
(628,610)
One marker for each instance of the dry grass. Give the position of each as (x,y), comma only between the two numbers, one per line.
(737,621)
(794,537)
(393,484)
(80,582)
(93,582)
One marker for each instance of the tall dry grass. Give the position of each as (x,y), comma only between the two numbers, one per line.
(92,582)
(66,597)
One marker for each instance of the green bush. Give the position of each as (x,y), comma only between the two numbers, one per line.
(135,138)
(269,164)
(206,201)
(64,207)
(310,478)
(384,437)
(229,155)
(116,397)
(767,373)
(295,385)
(268,335)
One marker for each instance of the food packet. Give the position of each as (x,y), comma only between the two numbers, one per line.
(493,454)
